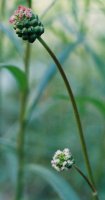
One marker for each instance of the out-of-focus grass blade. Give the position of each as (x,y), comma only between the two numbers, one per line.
(86,10)
(60,34)
(18,74)
(98,61)
(87,3)
(97,103)
(68,26)
(43,108)
(49,74)
(13,39)
(6,143)
(74,5)
(102,4)
(63,189)
(48,8)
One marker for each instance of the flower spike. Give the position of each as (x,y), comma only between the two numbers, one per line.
(26,24)
(62,160)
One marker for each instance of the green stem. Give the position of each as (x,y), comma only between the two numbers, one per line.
(94,192)
(21,150)
(27,60)
(76,113)
(21,135)
(2,16)
(3,2)
(1,106)
(29,2)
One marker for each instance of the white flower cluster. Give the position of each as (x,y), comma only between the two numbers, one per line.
(62,160)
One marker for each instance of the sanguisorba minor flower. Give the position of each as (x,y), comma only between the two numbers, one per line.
(26,24)
(62,160)
(29,27)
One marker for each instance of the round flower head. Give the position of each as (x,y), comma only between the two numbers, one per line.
(62,160)
(26,24)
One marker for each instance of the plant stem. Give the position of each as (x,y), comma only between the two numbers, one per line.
(21,150)
(3,2)
(88,182)
(76,113)
(1,106)
(2,16)
(21,136)
(22,120)
(27,60)
(29,2)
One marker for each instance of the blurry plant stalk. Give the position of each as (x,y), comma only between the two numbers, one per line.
(2,16)
(22,120)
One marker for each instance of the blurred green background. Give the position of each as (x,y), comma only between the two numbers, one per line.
(75,30)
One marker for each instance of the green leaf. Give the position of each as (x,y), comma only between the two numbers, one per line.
(97,103)
(75,8)
(100,64)
(63,189)
(18,74)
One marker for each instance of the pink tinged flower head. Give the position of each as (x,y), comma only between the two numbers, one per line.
(12,19)
(20,13)
(24,11)
(28,14)
(26,24)
(22,8)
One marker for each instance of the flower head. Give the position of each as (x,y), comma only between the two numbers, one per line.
(62,160)
(20,14)
(26,24)
(12,19)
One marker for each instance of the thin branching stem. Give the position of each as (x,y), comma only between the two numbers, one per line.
(76,113)
(94,191)
(21,150)
(22,122)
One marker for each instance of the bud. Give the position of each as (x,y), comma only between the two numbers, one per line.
(26,24)
(62,160)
